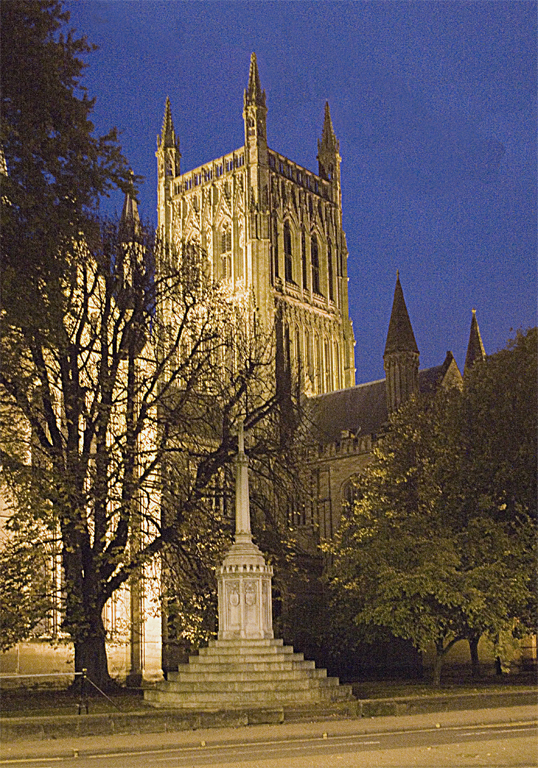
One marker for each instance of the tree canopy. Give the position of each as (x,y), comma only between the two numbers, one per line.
(128,411)
(441,542)
(55,168)
(124,366)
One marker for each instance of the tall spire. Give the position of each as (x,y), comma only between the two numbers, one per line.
(129,214)
(475,347)
(401,356)
(168,154)
(254,93)
(328,136)
(400,336)
(168,135)
(328,150)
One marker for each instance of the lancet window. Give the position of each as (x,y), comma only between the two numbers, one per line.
(275,247)
(314,255)
(226,251)
(288,254)
(303,260)
(330,271)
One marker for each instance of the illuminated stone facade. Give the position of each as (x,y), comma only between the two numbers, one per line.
(272,228)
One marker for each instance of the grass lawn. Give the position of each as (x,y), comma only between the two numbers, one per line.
(31,702)
(487,684)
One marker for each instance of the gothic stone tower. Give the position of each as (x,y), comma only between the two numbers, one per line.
(273,228)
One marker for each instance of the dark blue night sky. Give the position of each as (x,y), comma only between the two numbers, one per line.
(434,104)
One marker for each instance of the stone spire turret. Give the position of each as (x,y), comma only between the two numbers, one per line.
(168,166)
(329,150)
(168,153)
(257,228)
(254,93)
(255,110)
(130,217)
(475,347)
(168,135)
(401,357)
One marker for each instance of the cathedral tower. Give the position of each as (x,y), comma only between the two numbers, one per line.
(273,229)
(401,355)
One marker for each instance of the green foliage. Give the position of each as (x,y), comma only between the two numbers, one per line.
(26,592)
(441,543)
(56,168)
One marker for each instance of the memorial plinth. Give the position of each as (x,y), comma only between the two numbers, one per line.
(244,579)
(245,666)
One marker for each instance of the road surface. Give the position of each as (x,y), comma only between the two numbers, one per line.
(316,745)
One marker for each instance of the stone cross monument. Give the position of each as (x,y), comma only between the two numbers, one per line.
(245,666)
(244,579)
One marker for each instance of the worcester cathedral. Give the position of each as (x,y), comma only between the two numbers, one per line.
(272,229)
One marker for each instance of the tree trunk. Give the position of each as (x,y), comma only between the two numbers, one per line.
(438,665)
(90,655)
(475,661)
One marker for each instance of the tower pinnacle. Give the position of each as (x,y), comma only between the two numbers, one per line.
(400,336)
(401,354)
(168,154)
(475,348)
(328,150)
(168,136)
(129,214)
(253,92)
(328,136)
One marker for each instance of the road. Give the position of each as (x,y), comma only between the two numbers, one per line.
(496,745)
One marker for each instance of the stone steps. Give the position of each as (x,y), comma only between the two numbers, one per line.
(235,699)
(240,674)
(290,659)
(235,673)
(225,686)
(247,648)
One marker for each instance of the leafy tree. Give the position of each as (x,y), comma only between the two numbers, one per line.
(55,169)
(130,416)
(441,543)
(118,409)
(25,594)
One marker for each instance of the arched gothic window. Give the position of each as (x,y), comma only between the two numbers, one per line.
(226,240)
(330,271)
(288,255)
(350,495)
(303,260)
(314,255)
(226,251)
(275,247)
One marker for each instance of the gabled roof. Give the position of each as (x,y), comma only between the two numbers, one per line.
(358,409)
(363,409)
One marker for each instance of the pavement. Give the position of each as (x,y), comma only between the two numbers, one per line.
(79,746)
(158,726)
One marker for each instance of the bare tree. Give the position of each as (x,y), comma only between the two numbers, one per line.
(130,396)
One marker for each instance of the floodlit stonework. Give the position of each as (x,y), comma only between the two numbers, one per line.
(245,666)
(273,228)
(271,231)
